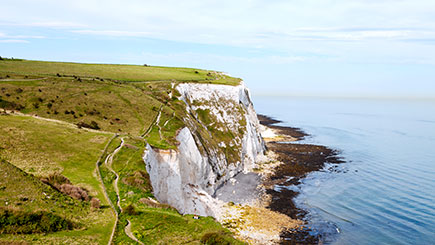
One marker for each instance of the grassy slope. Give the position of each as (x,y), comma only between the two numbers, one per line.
(21,191)
(115,107)
(127,100)
(159,224)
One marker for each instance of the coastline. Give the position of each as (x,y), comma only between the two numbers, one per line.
(296,160)
(259,206)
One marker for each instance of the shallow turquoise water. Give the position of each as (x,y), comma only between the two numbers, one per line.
(385,192)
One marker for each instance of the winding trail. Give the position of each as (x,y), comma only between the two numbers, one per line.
(109,165)
(130,234)
(156,122)
(68,124)
(104,187)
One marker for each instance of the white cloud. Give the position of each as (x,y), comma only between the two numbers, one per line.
(56,24)
(337,28)
(228,22)
(113,33)
(13,41)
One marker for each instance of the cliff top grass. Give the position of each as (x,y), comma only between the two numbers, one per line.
(132,73)
(113,98)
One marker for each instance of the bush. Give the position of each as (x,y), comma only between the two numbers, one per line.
(92,112)
(55,179)
(92,125)
(62,184)
(130,210)
(95,203)
(74,192)
(21,222)
(10,105)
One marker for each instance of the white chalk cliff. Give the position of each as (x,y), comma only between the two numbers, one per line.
(221,138)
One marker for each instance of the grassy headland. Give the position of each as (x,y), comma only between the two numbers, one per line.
(57,119)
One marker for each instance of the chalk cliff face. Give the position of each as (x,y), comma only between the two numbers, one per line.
(220,139)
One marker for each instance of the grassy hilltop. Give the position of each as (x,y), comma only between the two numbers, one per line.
(71,143)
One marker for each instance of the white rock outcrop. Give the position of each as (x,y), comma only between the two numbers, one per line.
(187,178)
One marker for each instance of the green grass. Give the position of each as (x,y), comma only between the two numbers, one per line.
(25,193)
(40,147)
(114,107)
(114,72)
(157,226)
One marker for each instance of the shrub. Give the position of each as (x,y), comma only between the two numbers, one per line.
(21,222)
(92,125)
(92,112)
(55,179)
(62,184)
(10,105)
(95,203)
(74,192)
(130,210)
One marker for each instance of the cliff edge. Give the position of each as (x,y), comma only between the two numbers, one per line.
(220,139)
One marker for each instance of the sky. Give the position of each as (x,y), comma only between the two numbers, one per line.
(362,48)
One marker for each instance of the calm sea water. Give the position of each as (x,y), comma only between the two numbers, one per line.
(385,192)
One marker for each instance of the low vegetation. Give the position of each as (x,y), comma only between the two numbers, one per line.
(20,222)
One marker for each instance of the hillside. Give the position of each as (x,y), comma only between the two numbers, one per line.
(90,125)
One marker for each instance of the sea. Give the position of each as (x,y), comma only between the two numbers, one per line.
(385,191)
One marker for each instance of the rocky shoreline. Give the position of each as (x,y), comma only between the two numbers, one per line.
(258,205)
(296,161)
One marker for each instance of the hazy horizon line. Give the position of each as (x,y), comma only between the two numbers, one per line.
(344,96)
